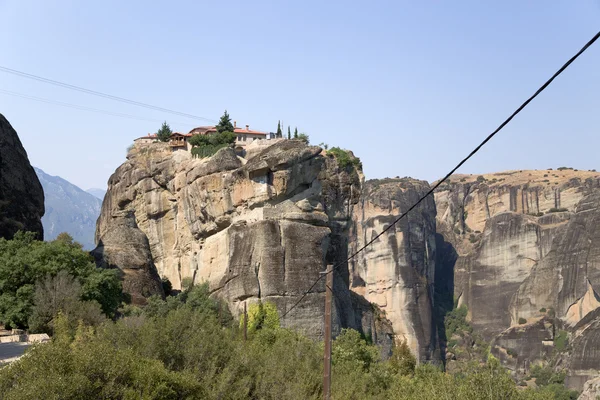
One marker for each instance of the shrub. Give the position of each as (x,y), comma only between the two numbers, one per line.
(304,137)
(480,178)
(543,310)
(402,362)
(261,315)
(563,168)
(512,353)
(522,321)
(344,158)
(207,151)
(561,340)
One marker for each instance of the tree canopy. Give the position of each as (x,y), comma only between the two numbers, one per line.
(164,133)
(279,133)
(224,124)
(25,262)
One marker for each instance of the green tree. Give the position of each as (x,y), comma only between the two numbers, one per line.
(224,124)
(61,294)
(402,361)
(25,261)
(289,133)
(261,315)
(279,133)
(296,133)
(164,133)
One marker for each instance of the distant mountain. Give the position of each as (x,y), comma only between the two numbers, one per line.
(68,209)
(99,193)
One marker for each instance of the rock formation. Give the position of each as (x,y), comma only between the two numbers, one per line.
(21,194)
(260,228)
(397,271)
(527,261)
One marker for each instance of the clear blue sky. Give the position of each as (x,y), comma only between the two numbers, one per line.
(410,87)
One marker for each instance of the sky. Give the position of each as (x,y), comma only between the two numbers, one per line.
(409,87)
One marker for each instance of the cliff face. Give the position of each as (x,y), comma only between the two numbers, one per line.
(21,194)
(527,255)
(257,228)
(397,272)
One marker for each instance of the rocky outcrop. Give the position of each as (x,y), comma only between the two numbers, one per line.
(526,246)
(21,194)
(397,271)
(260,228)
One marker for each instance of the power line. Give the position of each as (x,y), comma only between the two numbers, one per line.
(487,139)
(84,108)
(100,94)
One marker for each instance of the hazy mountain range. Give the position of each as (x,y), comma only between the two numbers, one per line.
(99,193)
(69,209)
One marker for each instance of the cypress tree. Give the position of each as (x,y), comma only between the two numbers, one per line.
(289,133)
(296,133)
(279,134)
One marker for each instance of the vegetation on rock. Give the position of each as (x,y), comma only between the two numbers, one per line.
(207,145)
(344,158)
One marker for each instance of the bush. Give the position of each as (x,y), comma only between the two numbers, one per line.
(480,179)
(304,137)
(207,151)
(344,158)
(561,340)
(522,321)
(563,168)
(543,309)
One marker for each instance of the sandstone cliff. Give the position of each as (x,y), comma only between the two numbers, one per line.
(21,194)
(527,261)
(397,272)
(263,228)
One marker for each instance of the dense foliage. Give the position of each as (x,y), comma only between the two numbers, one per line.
(188,347)
(207,145)
(164,133)
(25,262)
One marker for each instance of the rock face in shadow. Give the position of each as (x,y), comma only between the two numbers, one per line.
(255,229)
(21,194)
(397,272)
(528,256)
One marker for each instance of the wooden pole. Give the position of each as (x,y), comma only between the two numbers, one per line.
(245,322)
(327,336)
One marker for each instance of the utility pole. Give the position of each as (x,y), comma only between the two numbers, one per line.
(327,336)
(245,322)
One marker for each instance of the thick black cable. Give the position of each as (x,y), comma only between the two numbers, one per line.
(487,139)
(100,94)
